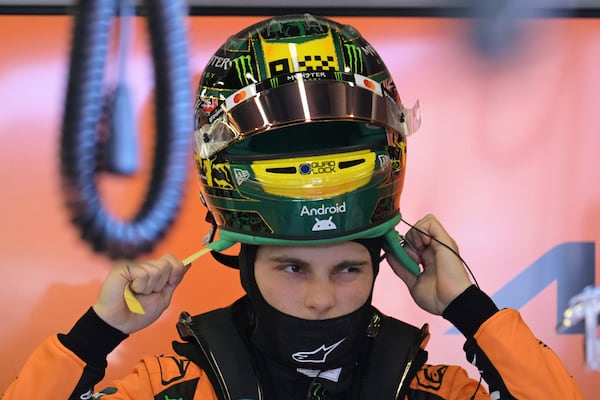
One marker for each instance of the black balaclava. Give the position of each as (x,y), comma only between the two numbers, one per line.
(302,355)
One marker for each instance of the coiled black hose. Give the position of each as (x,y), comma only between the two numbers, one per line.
(81,119)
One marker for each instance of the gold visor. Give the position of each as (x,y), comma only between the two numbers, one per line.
(300,98)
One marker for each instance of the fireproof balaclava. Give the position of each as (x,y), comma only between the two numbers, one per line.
(300,351)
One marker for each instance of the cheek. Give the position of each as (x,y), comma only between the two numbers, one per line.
(355,295)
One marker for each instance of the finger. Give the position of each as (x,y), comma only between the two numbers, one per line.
(418,234)
(437,233)
(149,276)
(141,276)
(416,240)
(178,270)
(410,249)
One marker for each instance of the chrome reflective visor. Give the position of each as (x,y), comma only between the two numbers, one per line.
(300,98)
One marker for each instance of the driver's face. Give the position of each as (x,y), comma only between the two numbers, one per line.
(315,282)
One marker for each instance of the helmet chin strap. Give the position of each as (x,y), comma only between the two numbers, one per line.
(392,243)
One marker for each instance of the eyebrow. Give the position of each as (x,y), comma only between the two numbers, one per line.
(290,260)
(303,263)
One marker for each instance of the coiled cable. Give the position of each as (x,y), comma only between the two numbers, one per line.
(82,115)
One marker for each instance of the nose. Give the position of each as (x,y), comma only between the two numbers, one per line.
(320,298)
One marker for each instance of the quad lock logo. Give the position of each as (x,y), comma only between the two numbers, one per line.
(317,167)
(324,224)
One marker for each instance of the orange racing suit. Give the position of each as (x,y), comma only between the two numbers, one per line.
(68,366)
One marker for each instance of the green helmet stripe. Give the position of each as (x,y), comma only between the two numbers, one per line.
(236,237)
(386,229)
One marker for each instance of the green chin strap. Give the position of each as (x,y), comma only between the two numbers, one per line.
(391,243)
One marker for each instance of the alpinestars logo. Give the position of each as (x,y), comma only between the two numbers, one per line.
(318,355)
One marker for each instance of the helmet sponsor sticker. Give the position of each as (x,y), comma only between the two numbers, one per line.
(384,160)
(323,224)
(315,55)
(241,175)
(323,210)
(220,62)
(208,104)
(244,70)
(239,96)
(368,84)
(216,175)
(317,167)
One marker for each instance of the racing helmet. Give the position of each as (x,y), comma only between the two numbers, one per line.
(300,135)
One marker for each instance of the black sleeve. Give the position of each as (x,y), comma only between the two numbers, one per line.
(469,310)
(467,313)
(91,339)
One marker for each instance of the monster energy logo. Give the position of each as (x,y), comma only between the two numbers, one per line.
(338,75)
(243,66)
(355,57)
(274,82)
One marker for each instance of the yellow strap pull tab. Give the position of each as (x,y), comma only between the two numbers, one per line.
(195,256)
(132,302)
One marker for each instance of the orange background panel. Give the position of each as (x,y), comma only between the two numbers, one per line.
(506,158)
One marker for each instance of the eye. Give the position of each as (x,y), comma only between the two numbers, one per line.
(350,269)
(292,268)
